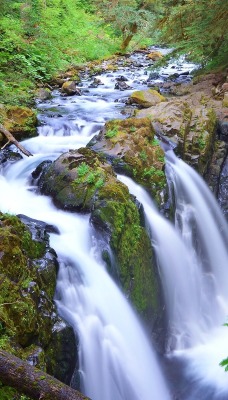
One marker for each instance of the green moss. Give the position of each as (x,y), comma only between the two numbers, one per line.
(131,245)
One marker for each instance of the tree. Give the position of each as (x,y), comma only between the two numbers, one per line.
(127,17)
(196,28)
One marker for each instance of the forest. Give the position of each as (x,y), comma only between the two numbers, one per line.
(39,38)
(113,199)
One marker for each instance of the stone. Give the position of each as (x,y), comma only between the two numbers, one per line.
(43,94)
(69,89)
(146,98)
(155,55)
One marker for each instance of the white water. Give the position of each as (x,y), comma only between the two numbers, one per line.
(116,359)
(192,257)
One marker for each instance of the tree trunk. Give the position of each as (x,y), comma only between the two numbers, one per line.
(12,139)
(32,382)
(127,39)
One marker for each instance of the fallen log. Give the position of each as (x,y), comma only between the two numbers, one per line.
(33,382)
(11,139)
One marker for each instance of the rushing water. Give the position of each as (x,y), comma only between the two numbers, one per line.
(117,361)
(192,256)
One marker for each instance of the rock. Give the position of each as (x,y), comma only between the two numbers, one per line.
(131,148)
(190,124)
(20,121)
(30,308)
(146,98)
(43,94)
(81,180)
(74,178)
(121,85)
(223,188)
(155,55)
(69,89)
(61,353)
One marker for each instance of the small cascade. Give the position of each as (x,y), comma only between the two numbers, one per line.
(192,257)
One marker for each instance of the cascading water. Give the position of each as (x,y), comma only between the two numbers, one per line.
(116,359)
(192,257)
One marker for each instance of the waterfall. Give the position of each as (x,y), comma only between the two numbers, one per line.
(192,257)
(117,361)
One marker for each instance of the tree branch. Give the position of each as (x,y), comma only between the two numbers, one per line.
(32,382)
(12,139)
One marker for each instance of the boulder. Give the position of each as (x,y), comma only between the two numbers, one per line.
(146,98)
(69,89)
(20,121)
(27,307)
(81,180)
(131,147)
(155,55)
(43,94)
(190,124)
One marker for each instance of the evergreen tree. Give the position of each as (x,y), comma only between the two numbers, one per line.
(197,28)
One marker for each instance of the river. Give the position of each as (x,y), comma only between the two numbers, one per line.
(117,359)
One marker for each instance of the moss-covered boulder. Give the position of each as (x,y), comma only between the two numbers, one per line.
(132,148)
(28,318)
(43,94)
(20,121)
(74,179)
(69,88)
(25,299)
(115,212)
(146,98)
(81,180)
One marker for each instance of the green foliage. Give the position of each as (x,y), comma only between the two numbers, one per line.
(83,169)
(143,155)
(111,133)
(39,38)
(196,28)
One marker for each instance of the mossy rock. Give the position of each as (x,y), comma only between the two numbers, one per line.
(74,179)
(132,148)
(20,121)
(81,180)
(146,98)
(190,124)
(26,305)
(116,212)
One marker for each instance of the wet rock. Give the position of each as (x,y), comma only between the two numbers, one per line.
(121,85)
(30,308)
(8,156)
(223,188)
(61,353)
(43,94)
(96,82)
(146,98)
(81,180)
(69,89)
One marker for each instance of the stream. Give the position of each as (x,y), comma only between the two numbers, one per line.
(117,359)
